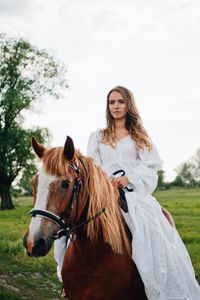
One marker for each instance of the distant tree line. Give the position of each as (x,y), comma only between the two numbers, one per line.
(188,174)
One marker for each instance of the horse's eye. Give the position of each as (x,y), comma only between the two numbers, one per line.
(64,184)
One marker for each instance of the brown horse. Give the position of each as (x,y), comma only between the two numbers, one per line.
(74,197)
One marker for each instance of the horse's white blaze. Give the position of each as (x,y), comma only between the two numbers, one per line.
(44,181)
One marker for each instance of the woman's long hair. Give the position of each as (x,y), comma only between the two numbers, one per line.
(133,121)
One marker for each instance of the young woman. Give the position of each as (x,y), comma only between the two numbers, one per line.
(157,249)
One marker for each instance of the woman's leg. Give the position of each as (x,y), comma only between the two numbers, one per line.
(59,254)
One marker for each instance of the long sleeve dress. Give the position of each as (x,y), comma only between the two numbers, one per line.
(157,249)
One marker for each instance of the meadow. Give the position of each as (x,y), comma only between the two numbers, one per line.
(22,277)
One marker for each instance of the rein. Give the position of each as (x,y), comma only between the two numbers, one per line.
(66,228)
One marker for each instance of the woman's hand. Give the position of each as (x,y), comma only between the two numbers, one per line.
(120,182)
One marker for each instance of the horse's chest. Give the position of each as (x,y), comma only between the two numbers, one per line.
(111,277)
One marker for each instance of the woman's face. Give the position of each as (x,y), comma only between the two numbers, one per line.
(117,105)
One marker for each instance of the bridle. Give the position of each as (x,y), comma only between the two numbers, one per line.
(66,228)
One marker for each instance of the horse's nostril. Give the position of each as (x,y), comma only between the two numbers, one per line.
(39,248)
(40,244)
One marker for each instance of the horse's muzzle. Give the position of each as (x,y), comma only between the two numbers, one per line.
(37,247)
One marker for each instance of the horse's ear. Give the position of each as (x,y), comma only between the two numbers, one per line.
(69,148)
(38,148)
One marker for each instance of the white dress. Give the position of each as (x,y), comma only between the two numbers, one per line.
(157,249)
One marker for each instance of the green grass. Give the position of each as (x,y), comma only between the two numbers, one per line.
(184,205)
(22,277)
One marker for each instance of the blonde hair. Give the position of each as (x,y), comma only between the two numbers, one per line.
(133,121)
(102,195)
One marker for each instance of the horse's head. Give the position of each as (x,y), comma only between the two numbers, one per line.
(56,190)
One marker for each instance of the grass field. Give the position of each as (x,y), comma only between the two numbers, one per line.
(22,277)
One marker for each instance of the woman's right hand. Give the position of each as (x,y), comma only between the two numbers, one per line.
(120,182)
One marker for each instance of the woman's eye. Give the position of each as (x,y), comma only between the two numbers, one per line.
(64,184)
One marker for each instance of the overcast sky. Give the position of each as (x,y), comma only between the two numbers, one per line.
(150,46)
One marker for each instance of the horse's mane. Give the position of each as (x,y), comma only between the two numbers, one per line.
(101,194)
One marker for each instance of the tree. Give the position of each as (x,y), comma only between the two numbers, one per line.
(188,173)
(177,182)
(27,74)
(184,172)
(196,166)
(24,184)
(161,176)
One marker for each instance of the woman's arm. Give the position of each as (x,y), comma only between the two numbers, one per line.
(93,147)
(144,176)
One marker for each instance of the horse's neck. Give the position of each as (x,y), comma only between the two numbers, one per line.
(83,244)
(88,248)
(93,250)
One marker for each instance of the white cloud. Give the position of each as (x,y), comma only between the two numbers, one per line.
(17,8)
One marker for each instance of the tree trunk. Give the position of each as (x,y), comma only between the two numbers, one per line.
(6,200)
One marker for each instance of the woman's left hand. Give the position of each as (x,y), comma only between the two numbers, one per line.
(120,182)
